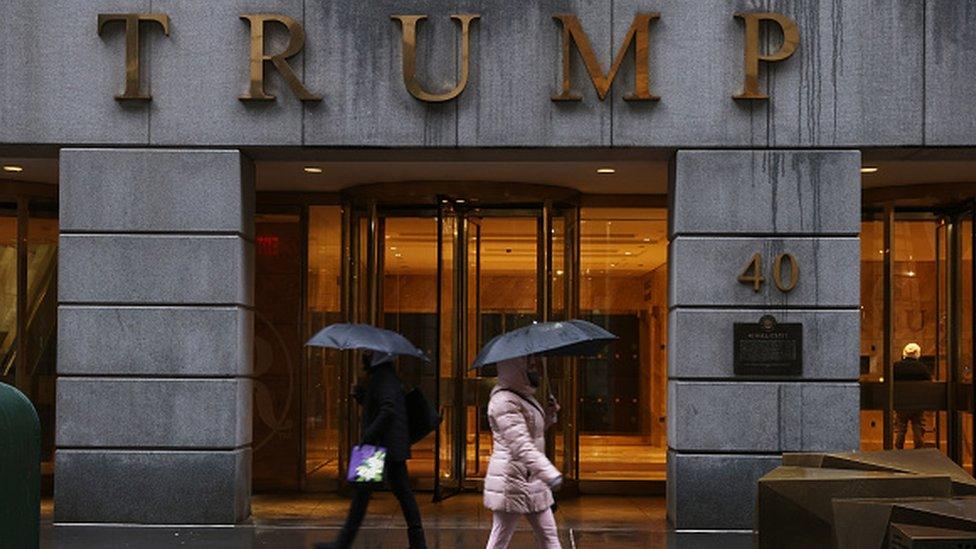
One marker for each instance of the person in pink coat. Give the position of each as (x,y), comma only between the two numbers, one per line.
(520,477)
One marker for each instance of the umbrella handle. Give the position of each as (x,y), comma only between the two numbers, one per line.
(545,376)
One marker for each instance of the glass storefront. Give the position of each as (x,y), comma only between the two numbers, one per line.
(28,308)
(917,288)
(623,287)
(450,273)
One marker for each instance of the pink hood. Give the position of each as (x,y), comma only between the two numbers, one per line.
(512,374)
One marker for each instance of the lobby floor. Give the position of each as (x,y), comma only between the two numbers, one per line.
(461,522)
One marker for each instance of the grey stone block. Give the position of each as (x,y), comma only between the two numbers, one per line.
(704,271)
(154,190)
(700,342)
(202,69)
(715,491)
(767,192)
(61,77)
(152,487)
(950,112)
(353,59)
(856,77)
(174,341)
(163,269)
(763,416)
(517,68)
(695,67)
(152,413)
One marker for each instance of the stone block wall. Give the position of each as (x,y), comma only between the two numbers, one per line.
(726,431)
(155,329)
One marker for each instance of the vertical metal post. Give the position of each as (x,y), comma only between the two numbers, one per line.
(954,328)
(889,293)
(940,306)
(373,273)
(545,263)
(21,375)
(438,355)
(972,325)
(460,345)
(349,305)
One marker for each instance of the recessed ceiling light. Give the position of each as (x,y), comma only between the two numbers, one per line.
(606,171)
(13,169)
(628,253)
(559,272)
(647,240)
(869,169)
(313,169)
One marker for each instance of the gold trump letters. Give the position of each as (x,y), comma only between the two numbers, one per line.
(409,29)
(132,72)
(791,38)
(296,41)
(572,34)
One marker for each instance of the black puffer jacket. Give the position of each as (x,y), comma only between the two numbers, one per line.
(385,413)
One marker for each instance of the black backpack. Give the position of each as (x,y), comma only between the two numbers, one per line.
(422,417)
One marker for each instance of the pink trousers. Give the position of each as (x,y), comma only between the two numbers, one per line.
(503,528)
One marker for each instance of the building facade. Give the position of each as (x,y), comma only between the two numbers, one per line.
(765,200)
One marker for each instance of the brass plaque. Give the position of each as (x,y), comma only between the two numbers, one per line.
(767,348)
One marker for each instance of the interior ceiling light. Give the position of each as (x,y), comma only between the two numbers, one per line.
(869,169)
(606,171)
(13,169)
(313,169)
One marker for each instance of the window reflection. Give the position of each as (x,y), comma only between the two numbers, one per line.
(323,390)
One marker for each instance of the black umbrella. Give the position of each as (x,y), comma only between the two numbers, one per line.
(367,338)
(564,338)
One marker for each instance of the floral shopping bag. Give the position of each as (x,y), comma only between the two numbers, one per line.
(366,464)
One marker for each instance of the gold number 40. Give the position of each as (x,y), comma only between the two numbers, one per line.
(753,273)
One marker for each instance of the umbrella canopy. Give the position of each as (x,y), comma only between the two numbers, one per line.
(565,338)
(367,338)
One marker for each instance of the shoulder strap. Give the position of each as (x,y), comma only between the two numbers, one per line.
(523,397)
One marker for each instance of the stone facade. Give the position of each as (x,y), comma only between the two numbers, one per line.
(156,257)
(867,73)
(724,432)
(156,336)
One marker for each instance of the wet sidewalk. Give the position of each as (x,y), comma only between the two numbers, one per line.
(460,522)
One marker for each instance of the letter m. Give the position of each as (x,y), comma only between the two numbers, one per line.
(573,33)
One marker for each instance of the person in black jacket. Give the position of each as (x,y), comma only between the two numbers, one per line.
(384,424)
(910,368)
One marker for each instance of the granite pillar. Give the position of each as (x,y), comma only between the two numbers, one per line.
(727,430)
(155,329)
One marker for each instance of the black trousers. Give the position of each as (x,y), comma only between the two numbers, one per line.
(399,481)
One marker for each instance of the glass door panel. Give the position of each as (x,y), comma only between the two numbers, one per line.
(448,479)
(963,398)
(409,302)
(918,398)
(562,371)
(622,399)
(325,379)
(277,421)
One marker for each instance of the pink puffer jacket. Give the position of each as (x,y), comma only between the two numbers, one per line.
(519,473)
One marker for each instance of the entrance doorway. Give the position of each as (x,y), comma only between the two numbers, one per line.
(917,287)
(450,275)
(451,267)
